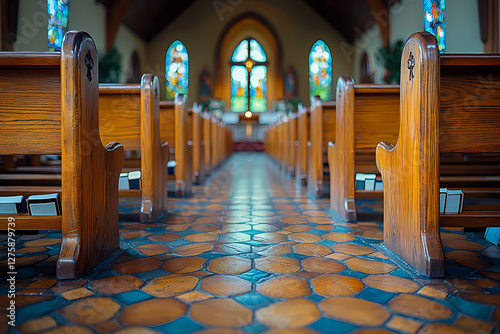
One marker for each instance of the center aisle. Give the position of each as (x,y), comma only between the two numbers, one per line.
(250,253)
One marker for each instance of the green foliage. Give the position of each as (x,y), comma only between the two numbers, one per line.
(390,58)
(110,66)
(286,106)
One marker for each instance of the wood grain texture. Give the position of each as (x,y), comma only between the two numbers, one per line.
(291,146)
(183,149)
(207,149)
(448,108)
(303,130)
(90,171)
(196,137)
(366,115)
(322,130)
(130,114)
(54,110)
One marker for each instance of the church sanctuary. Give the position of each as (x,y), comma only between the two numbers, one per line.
(249,166)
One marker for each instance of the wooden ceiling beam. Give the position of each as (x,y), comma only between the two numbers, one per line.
(380,12)
(115,12)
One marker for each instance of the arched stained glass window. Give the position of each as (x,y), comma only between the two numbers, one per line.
(176,70)
(58,23)
(249,77)
(434,20)
(320,71)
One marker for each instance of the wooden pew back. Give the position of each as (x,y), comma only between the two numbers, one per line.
(429,126)
(130,114)
(303,136)
(40,111)
(322,130)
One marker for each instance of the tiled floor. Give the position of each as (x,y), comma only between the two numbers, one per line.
(250,253)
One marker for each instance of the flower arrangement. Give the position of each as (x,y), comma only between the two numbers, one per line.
(214,107)
(390,58)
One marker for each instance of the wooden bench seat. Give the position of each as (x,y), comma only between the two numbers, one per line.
(49,105)
(195,135)
(365,115)
(449,105)
(130,114)
(322,130)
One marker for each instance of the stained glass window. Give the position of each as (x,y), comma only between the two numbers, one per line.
(58,23)
(249,77)
(434,20)
(320,71)
(176,70)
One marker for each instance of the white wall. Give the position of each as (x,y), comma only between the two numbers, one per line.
(84,15)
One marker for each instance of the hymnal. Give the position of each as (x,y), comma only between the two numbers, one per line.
(454,201)
(442,199)
(134,179)
(123,182)
(44,205)
(13,205)
(370,181)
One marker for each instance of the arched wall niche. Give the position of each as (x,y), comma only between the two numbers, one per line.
(244,26)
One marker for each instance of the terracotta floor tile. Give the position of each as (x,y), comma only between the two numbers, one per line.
(73,329)
(137,266)
(298,228)
(192,249)
(321,265)
(152,312)
(291,313)
(277,264)
(106,327)
(483,283)
(205,228)
(475,325)
(153,249)
(419,307)
(305,237)
(232,248)
(266,227)
(236,228)
(290,331)
(270,238)
(404,325)
(320,220)
(442,329)
(332,285)
(225,285)
(374,331)
(368,234)
(63,286)
(42,242)
(116,284)
(165,237)
(134,234)
(221,312)
(312,249)
(369,266)
(90,311)
(27,250)
(354,310)
(468,259)
(194,296)
(338,236)
(464,244)
(391,283)
(27,261)
(177,227)
(234,237)
(434,292)
(352,249)
(230,265)
(338,256)
(184,265)
(37,325)
(492,300)
(77,293)
(313,213)
(293,220)
(285,287)
(170,285)
(220,331)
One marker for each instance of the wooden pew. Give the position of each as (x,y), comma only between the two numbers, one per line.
(216,143)
(207,139)
(49,105)
(129,114)
(322,130)
(449,104)
(196,135)
(365,115)
(303,136)
(174,130)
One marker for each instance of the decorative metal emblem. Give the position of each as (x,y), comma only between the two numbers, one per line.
(411,65)
(89,62)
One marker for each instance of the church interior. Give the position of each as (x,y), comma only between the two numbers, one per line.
(250,166)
